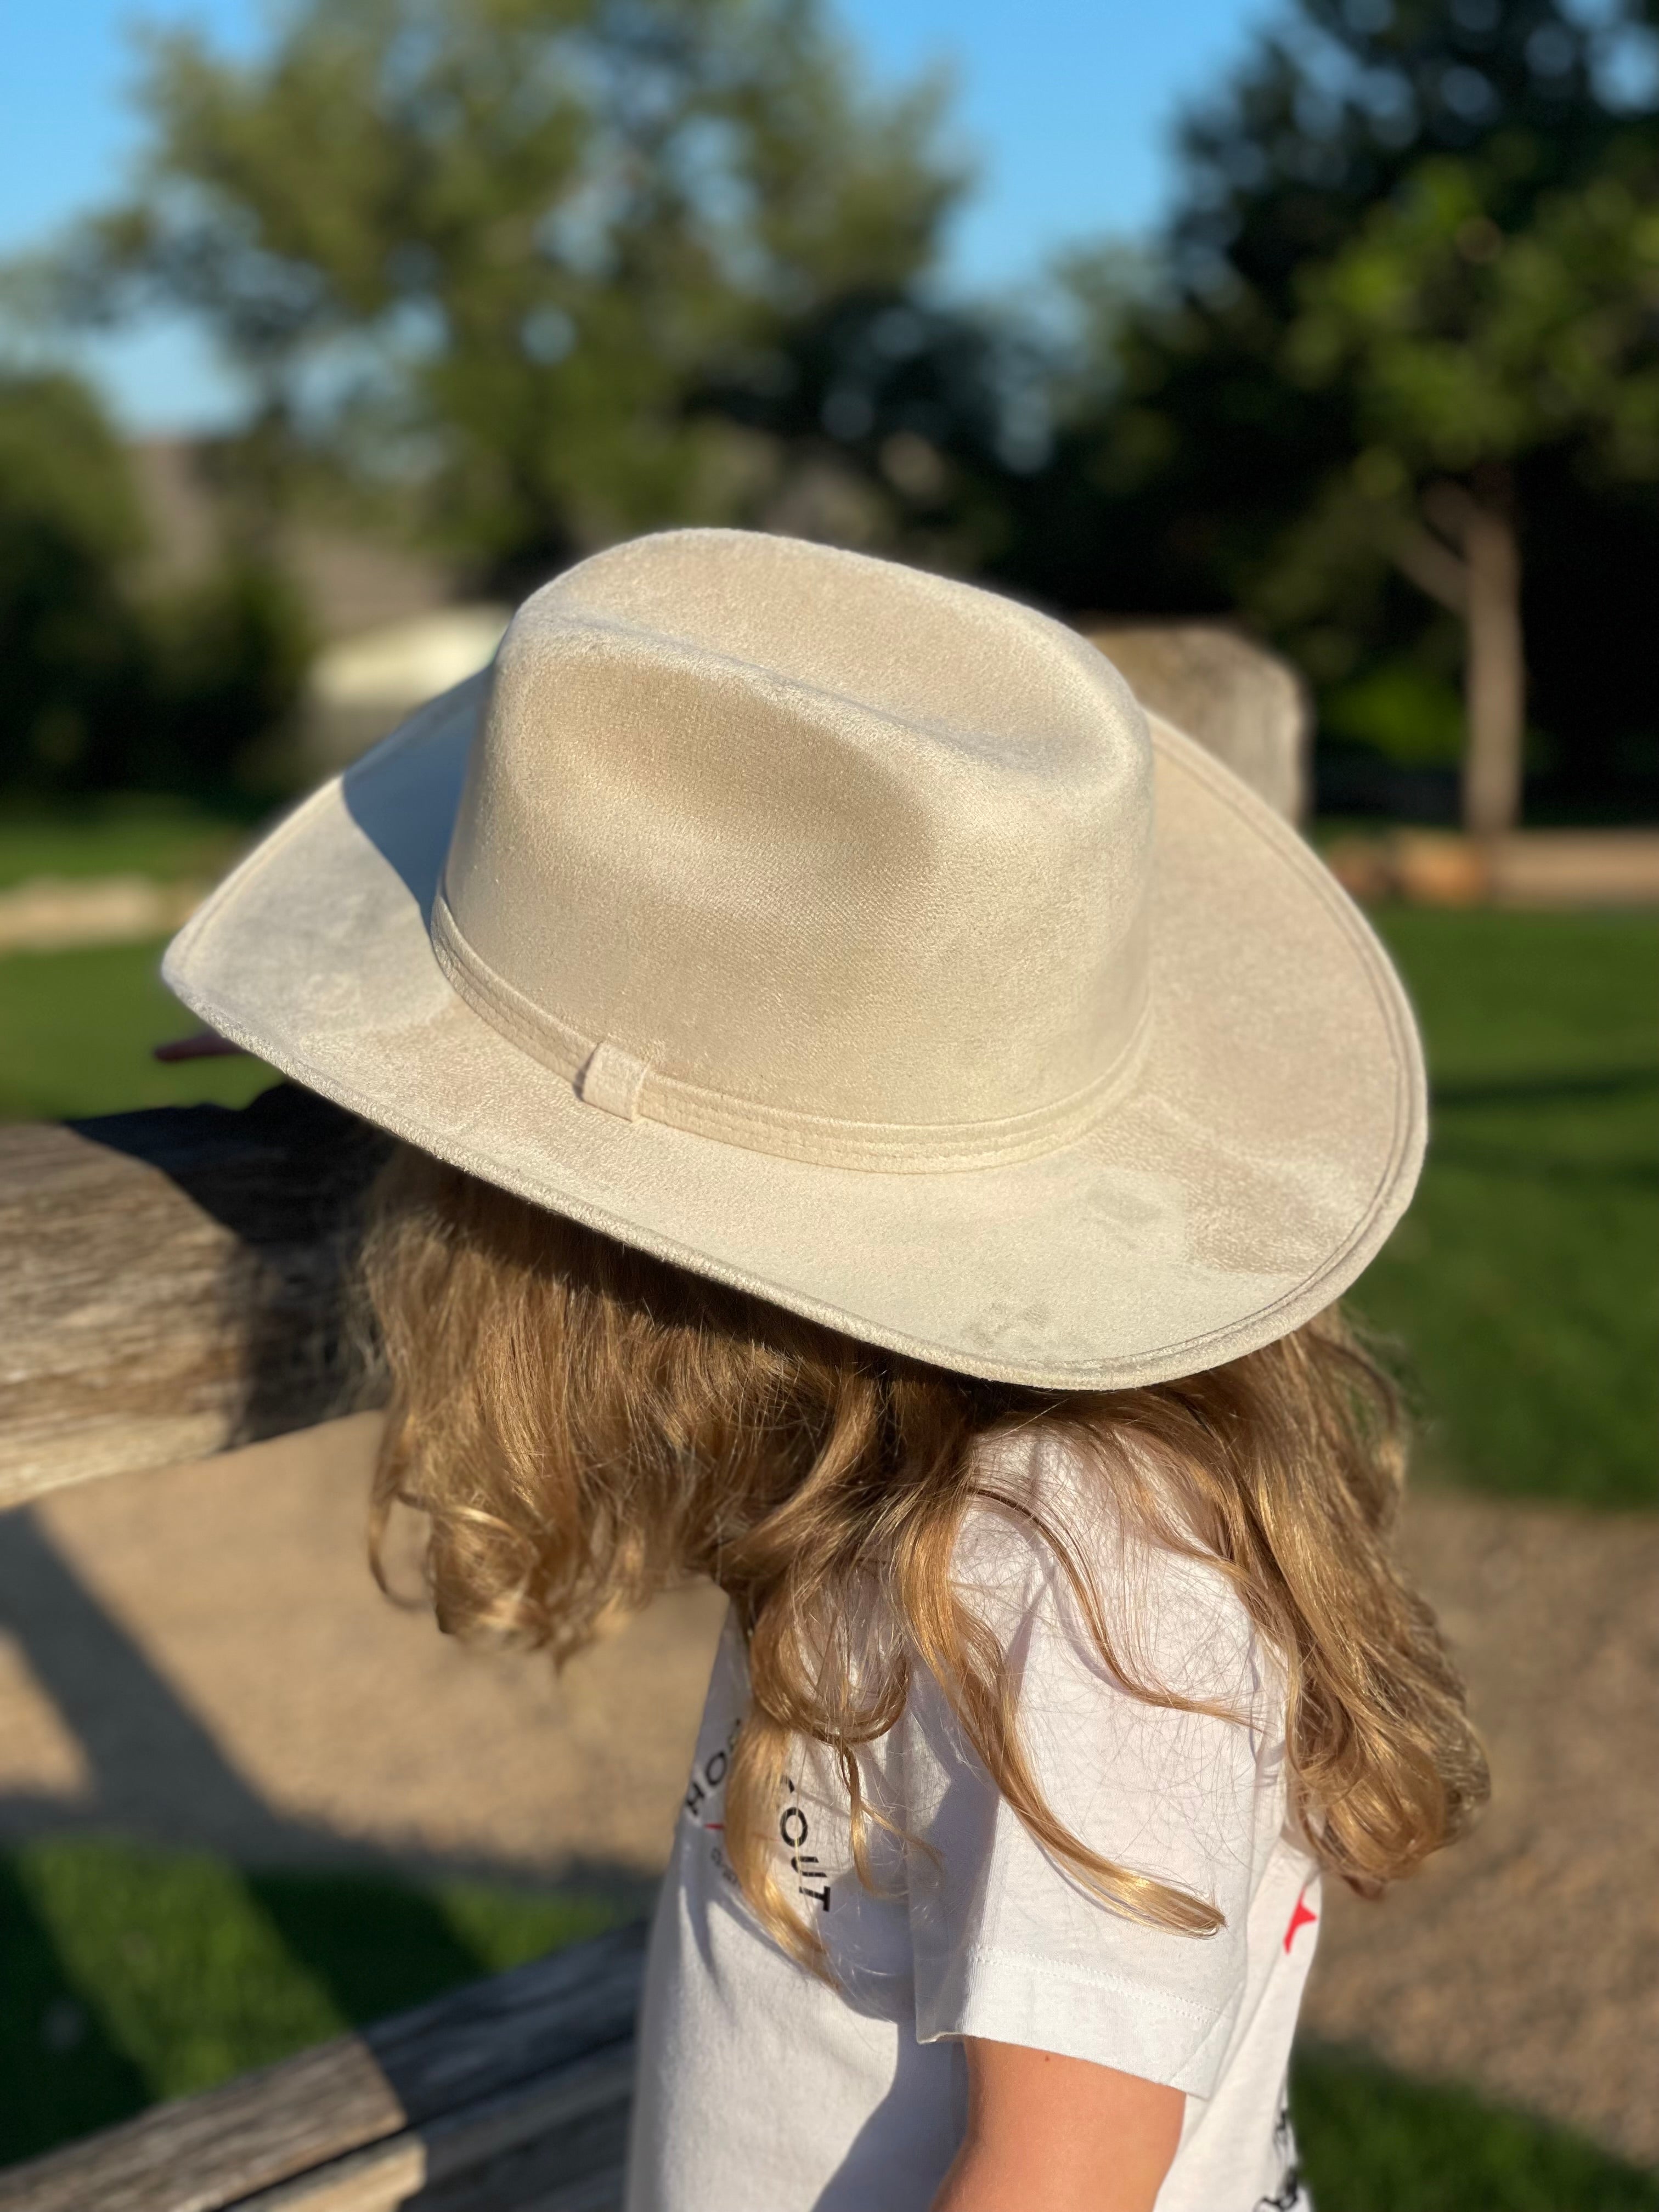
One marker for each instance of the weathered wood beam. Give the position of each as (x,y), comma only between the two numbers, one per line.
(1244,703)
(511,2094)
(173,1284)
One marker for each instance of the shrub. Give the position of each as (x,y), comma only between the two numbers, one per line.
(104,684)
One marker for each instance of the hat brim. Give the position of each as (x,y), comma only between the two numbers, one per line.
(1256,1162)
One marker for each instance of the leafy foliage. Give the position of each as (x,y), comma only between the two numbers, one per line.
(533,274)
(1415,241)
(925,413)
(1337,108)
(1465,345)
(491,245)
(101,683)
(69,648)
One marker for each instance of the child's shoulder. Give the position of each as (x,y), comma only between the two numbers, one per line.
(1058,1528)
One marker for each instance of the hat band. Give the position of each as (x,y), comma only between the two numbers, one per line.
(612,1081)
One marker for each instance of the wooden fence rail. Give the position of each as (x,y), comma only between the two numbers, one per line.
(175,1284)
(511,2094)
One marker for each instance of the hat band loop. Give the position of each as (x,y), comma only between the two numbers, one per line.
(825,1140)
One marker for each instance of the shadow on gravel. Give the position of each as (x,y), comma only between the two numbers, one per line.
(275,1933)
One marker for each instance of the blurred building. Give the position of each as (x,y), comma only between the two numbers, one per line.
(352,580)
(393,624)
(362,687)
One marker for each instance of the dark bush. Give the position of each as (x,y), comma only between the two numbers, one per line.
(71,651)
(106,684)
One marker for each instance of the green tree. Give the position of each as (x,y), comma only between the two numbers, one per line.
(1386,191)
(931,413)
(1341,101)
(69,647)
(1465,348)
(486,248)
(105,682)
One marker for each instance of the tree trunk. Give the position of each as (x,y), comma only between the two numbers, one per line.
(1494,673)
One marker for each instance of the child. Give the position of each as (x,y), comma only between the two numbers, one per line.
(885,1130)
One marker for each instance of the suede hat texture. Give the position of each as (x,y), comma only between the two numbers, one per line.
(848,934)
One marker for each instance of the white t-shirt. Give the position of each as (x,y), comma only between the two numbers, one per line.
(763,2089)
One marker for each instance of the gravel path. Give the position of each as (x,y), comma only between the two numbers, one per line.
(199,1657)
(1526,1960)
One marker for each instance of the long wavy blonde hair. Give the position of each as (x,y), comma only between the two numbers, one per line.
(584,1426)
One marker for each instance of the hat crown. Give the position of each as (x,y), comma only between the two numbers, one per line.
(808,850)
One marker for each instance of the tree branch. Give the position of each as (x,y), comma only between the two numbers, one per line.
(1431,565)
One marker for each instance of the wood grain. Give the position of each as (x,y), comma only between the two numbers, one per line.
(495,2097)
(1242,702)
(174,1284)
(556,2141)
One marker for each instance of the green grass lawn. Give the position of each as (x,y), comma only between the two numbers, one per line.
(136,1974)
(1373,2142)
(172,840)
(76,1031)
(1524,1282)
(132,1974)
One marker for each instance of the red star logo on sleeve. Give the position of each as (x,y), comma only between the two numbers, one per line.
(1304,1916)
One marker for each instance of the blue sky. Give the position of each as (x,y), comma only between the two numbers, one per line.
(1066,104)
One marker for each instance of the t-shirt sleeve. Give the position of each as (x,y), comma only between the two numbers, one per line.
(1007,1943)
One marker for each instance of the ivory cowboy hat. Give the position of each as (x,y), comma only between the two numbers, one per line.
(850,935)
